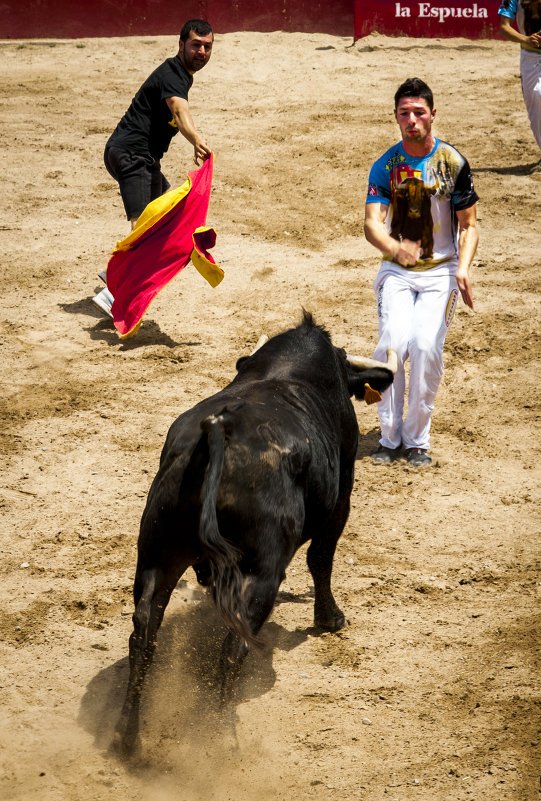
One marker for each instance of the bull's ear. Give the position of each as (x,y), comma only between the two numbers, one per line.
(240,362)
(356,385)
(363,391)
(371,395)
(259,344)
(367,384)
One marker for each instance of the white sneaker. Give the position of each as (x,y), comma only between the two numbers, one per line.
(103,277)
(104,301)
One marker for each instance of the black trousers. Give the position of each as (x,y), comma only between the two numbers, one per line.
(139,178)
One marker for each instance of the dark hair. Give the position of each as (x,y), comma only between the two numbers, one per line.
(414,87)
(199,26)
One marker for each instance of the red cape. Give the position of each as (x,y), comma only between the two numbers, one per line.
(169,232)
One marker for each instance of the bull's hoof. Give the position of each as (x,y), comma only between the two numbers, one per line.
(125,746)
(330,622)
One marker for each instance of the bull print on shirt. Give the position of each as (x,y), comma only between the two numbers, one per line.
(411,208)
(532,16)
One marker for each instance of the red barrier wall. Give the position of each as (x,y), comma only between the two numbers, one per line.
(65,19)
(442,18)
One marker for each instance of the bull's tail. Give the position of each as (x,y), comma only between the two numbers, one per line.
(227,582)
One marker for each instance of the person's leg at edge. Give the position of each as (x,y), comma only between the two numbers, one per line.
(530,74)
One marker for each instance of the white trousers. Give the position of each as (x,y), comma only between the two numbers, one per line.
(530,73)
(415,311)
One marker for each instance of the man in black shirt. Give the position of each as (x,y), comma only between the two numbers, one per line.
(157,112)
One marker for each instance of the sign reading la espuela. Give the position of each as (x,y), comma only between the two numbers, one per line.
(442,13)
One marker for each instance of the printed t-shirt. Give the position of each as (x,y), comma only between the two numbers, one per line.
(423,194)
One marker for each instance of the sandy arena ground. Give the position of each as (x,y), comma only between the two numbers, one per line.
(432,692)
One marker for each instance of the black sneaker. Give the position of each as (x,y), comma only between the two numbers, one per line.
(418,457)
(385,455)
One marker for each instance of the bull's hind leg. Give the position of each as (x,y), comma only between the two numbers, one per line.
(152,591)
(320,555)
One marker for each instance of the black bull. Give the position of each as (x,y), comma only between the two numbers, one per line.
(245,478)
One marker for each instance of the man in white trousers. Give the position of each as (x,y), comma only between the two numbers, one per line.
(528,17)
(421,214)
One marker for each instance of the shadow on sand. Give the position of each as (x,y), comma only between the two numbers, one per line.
(517,169)
(367,443)
(149,333)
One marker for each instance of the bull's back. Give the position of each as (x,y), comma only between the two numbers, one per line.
(281,449)
(257,415)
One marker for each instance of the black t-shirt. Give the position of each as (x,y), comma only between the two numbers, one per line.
(148,125)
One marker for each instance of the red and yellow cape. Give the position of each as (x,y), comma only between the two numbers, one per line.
(169,232)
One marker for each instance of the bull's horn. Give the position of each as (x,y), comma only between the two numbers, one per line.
(260,342)
(362,363)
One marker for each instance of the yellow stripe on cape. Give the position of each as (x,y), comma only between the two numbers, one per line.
(154,212)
